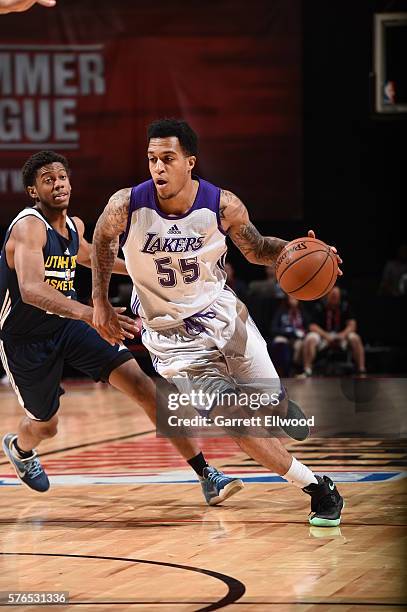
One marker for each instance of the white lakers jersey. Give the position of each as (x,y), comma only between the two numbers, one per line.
(176,263)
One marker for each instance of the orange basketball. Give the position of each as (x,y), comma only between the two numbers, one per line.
(306,268)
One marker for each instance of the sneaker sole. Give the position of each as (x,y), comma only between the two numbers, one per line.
(6,452)
(228,491)
(320,522)
(299,432)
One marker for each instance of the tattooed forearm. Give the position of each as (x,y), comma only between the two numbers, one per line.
(226,198)
(256,248)
(235,220)
(104,253)
(105,245)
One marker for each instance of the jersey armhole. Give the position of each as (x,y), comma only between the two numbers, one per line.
(220,228)
(29,213)
(75,228)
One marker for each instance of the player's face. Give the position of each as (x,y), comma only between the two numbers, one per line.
(52,187)
(170,167)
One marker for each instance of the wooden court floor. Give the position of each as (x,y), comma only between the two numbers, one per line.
(125,526)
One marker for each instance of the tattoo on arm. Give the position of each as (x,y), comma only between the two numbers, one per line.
(226,198)
(256,248)
(110,225)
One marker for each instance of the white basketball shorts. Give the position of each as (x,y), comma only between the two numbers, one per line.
(214,350)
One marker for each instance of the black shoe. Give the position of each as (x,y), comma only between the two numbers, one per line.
(296,432)
(326,503)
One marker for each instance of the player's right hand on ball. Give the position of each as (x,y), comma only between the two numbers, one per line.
(112,324)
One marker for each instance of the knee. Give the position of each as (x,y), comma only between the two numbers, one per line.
(280,340)
(48,429)
(354,338)
(311,339)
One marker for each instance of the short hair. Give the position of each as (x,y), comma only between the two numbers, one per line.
(163,128)
(37,161)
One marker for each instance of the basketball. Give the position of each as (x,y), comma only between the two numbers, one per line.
(306,268)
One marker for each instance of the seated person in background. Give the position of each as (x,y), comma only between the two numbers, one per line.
(333,326)
(236,284)
(289,326)
(392,282)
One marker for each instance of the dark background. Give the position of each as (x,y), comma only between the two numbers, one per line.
(353,167)
(353,162)
(233,71)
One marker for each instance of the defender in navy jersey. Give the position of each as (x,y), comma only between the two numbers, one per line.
(199,334)
(43,326)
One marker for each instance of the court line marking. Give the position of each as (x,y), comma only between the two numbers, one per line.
(186,477)
(236,588)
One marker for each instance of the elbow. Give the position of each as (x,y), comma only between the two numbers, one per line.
(251,258)
(26,293)
(29,292)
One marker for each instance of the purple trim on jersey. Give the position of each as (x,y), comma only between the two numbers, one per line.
(220,228)
(136,305)
(194,327)
(145,196)
(222,261)
(207,196)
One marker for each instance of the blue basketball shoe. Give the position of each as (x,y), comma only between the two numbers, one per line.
(217,487)
(29,470)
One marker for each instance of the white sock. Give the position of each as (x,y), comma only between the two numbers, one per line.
(300,475)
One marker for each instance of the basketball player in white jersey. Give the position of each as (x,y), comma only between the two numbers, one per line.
(173,229)
(43,327)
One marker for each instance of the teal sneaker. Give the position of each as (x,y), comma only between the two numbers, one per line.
(217,487)
(29,470)
(326,503)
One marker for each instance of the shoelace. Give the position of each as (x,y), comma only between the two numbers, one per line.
(34,467)
(216,477)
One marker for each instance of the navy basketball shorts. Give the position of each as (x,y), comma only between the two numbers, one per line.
(35,369)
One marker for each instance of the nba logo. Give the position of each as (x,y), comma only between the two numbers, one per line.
(68,274)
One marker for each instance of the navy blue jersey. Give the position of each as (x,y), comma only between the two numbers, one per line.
(23,322)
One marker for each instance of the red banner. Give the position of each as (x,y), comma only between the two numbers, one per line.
(86,78)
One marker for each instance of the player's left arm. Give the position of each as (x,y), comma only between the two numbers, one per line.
(258,249)
(85,251)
